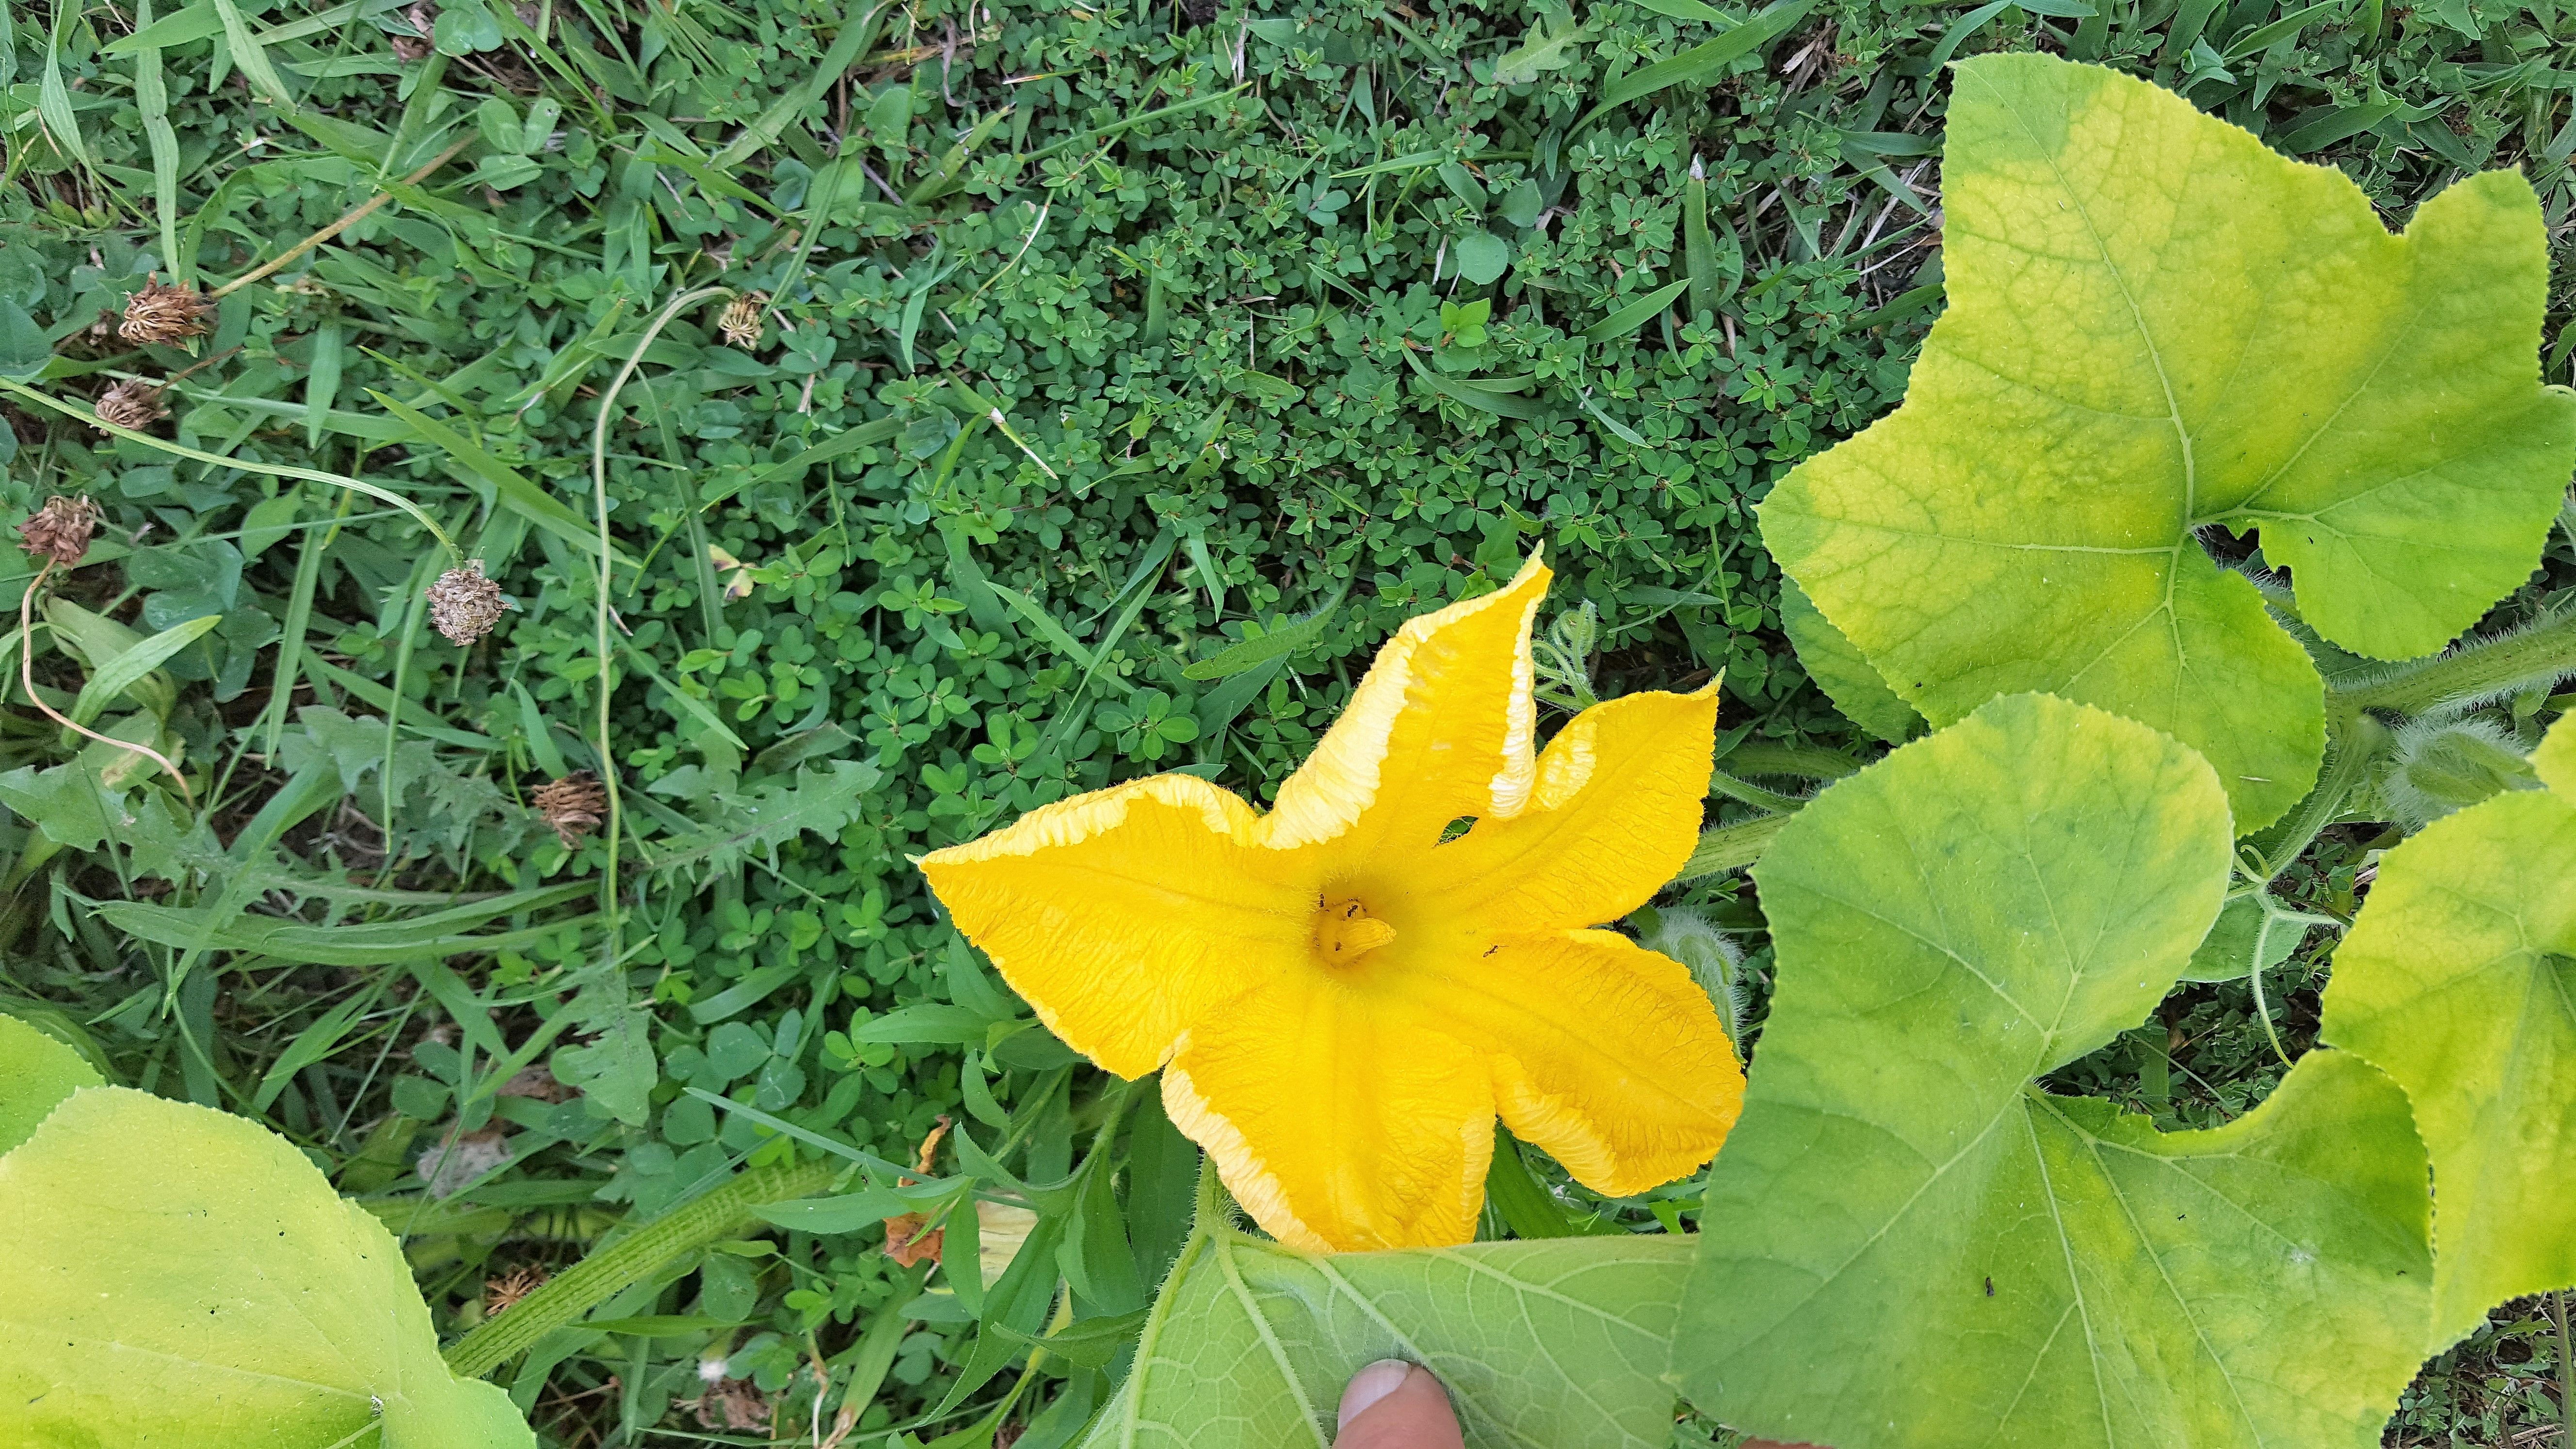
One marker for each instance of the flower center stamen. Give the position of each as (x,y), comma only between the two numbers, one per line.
(1345,931)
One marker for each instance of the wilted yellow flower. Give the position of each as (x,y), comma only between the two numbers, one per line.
(1342,1000)
(1000,1229)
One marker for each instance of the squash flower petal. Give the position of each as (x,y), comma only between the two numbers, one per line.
(1344,993)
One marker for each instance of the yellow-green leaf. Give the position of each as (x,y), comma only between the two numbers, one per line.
(2158,327)
(2459,980)
(177,1276)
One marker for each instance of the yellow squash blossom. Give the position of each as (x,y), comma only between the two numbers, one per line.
(1342,1000)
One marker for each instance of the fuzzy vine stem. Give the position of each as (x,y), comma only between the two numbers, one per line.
(1751,794)
(2472,671)
(1211,1216)
(2354,743)
(1725,847)
(2263,1013)
(600,1276)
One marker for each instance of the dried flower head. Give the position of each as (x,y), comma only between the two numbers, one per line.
(417,46)
(741,322)
(161,313)
(499,1293)
(909,1236)
(464,604)
(573,805)
(730,1404)
(133,404)
(60,530)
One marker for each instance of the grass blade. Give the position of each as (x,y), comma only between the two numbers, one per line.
(1636,314)
(1701,63)
(117,675)
(251,58)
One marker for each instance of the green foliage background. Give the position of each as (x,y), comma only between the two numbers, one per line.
(1230,280)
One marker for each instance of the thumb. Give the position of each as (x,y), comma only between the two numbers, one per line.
(1392,1404)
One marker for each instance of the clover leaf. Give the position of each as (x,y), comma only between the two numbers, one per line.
(2459,980)
(1907,1242)
(1555,1342)
(181,1276)
(2156,328)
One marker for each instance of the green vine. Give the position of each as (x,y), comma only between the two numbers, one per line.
(605,1273)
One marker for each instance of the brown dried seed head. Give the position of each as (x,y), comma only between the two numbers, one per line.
(573,805)
(60,530)
(741,323)
(499,1293)
(730,1404)
(133,404)
(464,604)
(161,313)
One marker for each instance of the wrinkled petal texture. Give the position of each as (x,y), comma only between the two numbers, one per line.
(1604,1053)
(1337,1124)
(1125,914)
(1615,813)
(1348,1100)
(1442,726)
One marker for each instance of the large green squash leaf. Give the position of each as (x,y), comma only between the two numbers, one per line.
(2459,980)
(2157,326)
(179,1277)
(1841,670)
(1542,1345)
(36,1072)
(2555,761)
(1908,1243)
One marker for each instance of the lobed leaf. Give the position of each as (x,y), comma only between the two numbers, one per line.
(2459,980)
(2158,327)
(1540,1344)
(1908,1243)
(1841,670)
(181,1277)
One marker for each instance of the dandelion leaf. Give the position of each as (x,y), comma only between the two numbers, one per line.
(1908,1244)
(1556,1342)
(2157,328)
(179,1277)
(36,1072)
(2459,980)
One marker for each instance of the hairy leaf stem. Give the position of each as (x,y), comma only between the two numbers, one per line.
(1725,847)
(2354,743)
(1751,794)
(600,1276)
(1805,762)
(2566,1352)
(2476,670)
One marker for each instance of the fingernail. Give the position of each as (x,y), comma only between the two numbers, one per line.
(1370,1385)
